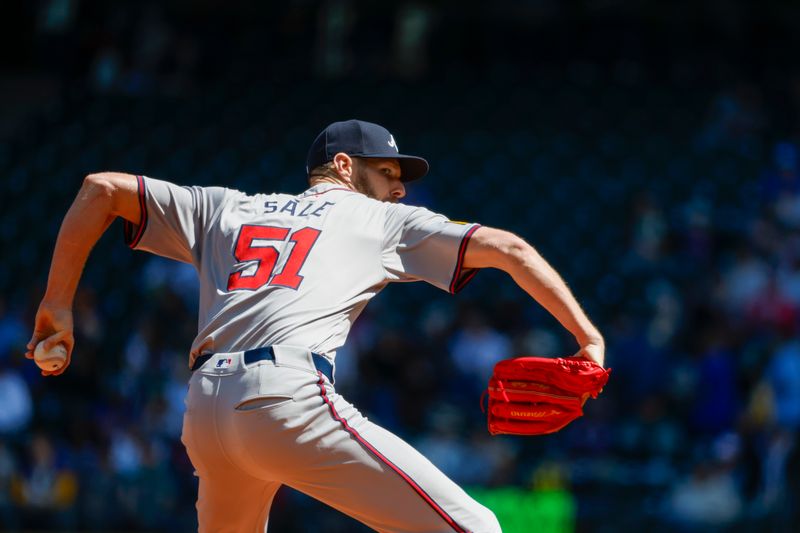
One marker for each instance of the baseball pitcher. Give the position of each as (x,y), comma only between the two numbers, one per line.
(282,278)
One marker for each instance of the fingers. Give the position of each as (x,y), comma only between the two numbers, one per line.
(48,343)
(52,327)
(58,372)
(31,346)
(62,337)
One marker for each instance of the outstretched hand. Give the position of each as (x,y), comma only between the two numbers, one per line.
(53,326)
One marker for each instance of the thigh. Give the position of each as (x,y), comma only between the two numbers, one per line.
(372,475)
(229,498)
(233,504)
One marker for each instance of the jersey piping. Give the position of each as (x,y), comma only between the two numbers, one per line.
(128,228)
(458,284)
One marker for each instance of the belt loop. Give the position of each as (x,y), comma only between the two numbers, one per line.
(292,356)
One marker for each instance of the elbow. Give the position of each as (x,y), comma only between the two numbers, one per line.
(98,190)
(513,251)
(98,186)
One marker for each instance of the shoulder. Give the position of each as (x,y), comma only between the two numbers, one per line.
(243,199)
(394,214)
(409,214)
(212,192)
(351,203)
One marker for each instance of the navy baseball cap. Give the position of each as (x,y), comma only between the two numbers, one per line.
(357,138)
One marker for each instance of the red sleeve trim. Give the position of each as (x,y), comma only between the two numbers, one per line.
(133,234)
(460,282)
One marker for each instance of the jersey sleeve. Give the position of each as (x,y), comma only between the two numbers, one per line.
(173,218)
(422,245)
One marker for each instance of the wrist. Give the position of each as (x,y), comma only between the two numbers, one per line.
(56,301)
(590,338)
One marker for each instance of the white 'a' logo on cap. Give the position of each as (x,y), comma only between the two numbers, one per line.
(392,143)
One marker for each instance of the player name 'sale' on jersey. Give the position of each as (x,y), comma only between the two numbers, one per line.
(293,270)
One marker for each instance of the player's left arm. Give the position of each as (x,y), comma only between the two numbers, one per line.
(101,198)
(489,247)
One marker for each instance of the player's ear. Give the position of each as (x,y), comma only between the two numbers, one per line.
(343,164)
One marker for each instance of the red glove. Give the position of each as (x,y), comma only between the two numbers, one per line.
(539,395)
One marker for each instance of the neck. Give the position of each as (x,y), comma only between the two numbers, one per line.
(333,181)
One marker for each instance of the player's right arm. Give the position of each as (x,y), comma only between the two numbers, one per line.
(102,198)
(489,247)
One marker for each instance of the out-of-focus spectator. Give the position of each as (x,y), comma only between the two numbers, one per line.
(334,55)
(707,498)
(735,118)
(767,240)
(106,69)
(46,490)
(788,277)
(160,273)
(640,363)
(184,61)
(744,281)
(783,375)
(779,447)
(125,453)
(9,520)
(667,306)
(174,391)
(152,40)
(137,354)
(153,491)
(793,484)
(716,401)
(412,26)
(787,210)
(443,444)
(362,338)
(56,16)
(98,488)
(698,230)
(771,310)
(476,347)
(15,399)
(783,178)
(540,342)
(88,318)
(649,229)
(12,330)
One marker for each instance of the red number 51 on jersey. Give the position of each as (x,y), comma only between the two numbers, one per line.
(266,257)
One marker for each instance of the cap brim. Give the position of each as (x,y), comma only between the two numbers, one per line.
(412,167)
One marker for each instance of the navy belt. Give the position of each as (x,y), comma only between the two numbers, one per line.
(268,354)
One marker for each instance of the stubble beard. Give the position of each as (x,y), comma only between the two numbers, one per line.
(361,183)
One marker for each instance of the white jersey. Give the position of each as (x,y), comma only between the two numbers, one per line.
(293,270)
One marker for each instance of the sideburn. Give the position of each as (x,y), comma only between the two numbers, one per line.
(361,182)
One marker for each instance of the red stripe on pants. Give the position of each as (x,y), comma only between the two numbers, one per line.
(424,495)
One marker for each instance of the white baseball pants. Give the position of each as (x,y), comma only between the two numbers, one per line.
(249,430)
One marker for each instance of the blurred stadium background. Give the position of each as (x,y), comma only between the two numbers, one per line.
(648,149)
